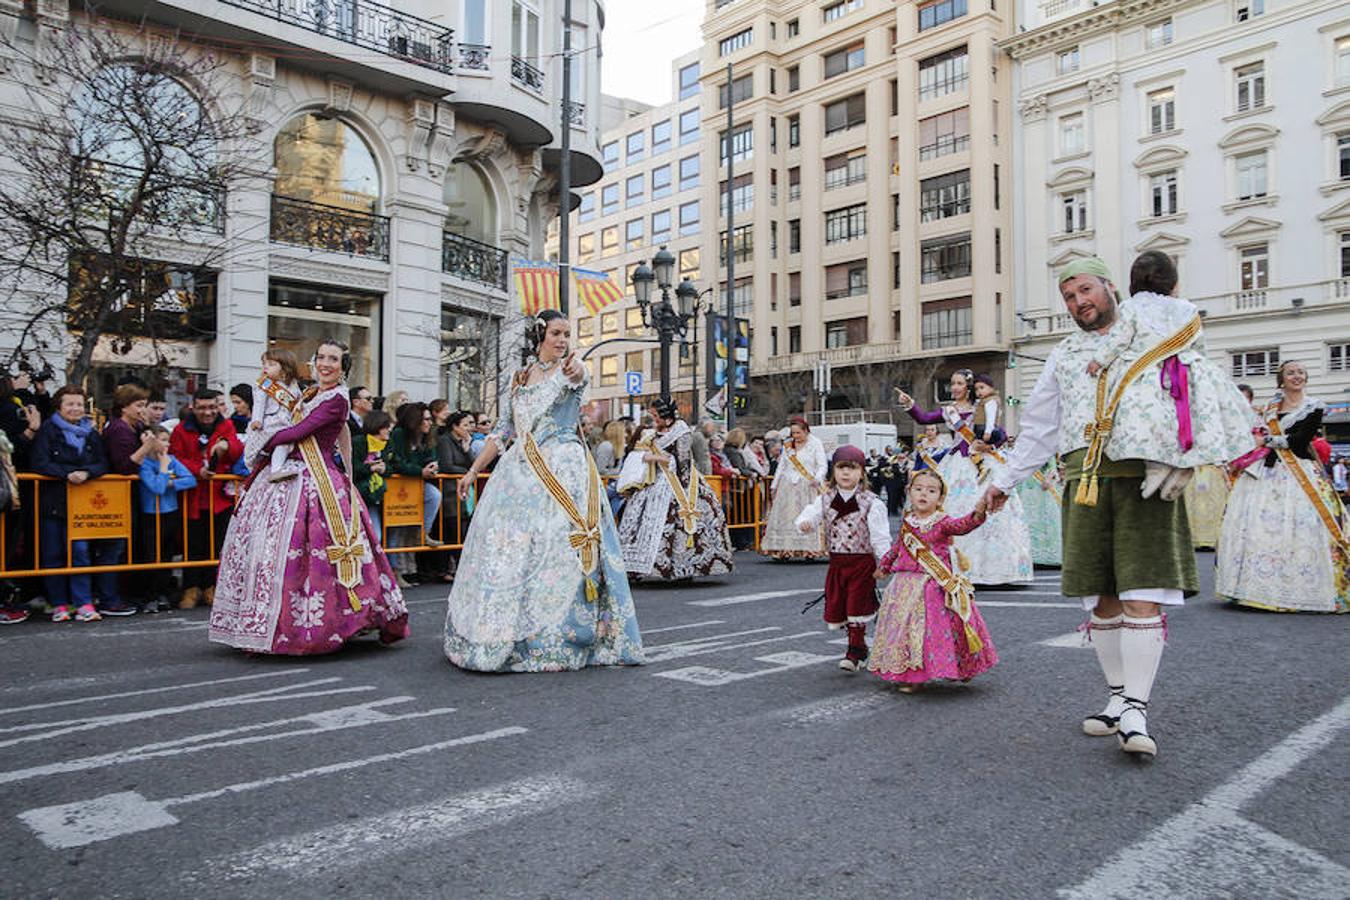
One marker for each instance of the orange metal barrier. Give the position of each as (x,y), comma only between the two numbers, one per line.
(105,508)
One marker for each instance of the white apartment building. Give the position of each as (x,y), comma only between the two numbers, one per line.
(872,160)
(410,151)
(1217,131)
(648,197)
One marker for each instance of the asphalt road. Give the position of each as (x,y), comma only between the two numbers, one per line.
(141,761)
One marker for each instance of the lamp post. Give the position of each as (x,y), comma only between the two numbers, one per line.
(669,322)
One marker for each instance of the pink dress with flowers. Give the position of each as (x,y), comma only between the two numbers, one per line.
(917,638)
(276,591)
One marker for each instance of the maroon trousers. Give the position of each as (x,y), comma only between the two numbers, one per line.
(850,589)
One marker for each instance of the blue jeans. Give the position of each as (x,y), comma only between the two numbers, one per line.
(431,503)
(63,590)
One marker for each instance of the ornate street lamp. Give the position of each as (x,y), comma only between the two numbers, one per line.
(668,322)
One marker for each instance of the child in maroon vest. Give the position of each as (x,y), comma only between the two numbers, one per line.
(857,535)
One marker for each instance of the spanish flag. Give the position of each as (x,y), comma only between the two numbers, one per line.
(536,285)
(595,290)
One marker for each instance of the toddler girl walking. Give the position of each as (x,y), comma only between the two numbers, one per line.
(928,627)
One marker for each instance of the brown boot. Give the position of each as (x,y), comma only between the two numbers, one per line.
(210,595)
(191,597)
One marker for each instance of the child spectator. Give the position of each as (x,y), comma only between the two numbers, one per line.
(162,478)
(369,467)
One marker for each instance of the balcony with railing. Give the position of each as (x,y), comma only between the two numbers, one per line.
(473,260)
(365,24)
(318,226)
(576,114)
(856,290)
(526,75)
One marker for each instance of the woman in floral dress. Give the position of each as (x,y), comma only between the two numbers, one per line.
(541,585)
(333,581)
(667,534)
(1001,554)
(802,467)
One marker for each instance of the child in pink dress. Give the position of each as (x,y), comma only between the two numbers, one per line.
(928,627)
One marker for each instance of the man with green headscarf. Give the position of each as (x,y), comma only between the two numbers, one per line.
(1125,555)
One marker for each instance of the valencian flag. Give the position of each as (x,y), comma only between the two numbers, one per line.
(595,290)
(536,285)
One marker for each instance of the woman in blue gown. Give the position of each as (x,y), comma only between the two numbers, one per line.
(541,585)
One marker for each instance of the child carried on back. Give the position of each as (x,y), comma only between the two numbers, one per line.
(1182,413)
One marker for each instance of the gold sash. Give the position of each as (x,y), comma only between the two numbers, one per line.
(797,464)
(347,548)
(285,399)
(960,592)
(585,537)
(686,500)
(1040,476)
(1098,432)
(1291,462)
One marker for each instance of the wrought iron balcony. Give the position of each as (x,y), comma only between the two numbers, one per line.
(322,227)
(525,74)
(366,24)
(473,260)
(474,57)
(576,113)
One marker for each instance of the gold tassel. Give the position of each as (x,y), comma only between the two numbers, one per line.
(1080,496)
(962,561)
(973,641)
(353,600)
(592,591)
(690,542)
(1092,491)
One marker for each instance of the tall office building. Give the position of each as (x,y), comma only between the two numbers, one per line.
(870,192)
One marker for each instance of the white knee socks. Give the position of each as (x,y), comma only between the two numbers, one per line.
(1141,645)
(1105,634)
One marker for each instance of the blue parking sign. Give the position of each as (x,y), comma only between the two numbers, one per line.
(633,382)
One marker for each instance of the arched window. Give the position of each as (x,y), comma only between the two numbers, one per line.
(473,206)
(321,159)
(147,145)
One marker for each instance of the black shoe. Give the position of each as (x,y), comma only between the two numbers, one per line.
(117,608)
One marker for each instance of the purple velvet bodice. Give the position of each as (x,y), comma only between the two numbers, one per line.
(324,422)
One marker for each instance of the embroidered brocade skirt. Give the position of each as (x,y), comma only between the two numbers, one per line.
(781,539)
(918,639)
(1274,551)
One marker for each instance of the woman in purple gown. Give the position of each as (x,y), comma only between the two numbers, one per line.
(333,582)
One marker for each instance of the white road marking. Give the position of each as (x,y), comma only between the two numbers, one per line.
(1210,850)
(647,631)
(736,599)
(984,592)
(1073,639)
(175,688)
(72,726)
(322,722)
(80,633)
(705,676)
(115,815)
(833,708)
(684,651)
(402,831)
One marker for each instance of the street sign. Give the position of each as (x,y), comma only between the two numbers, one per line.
(633,382)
